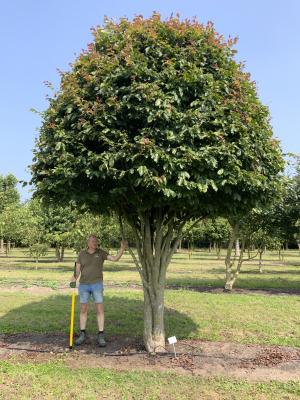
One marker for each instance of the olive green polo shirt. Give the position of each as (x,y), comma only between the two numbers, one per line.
(91,265)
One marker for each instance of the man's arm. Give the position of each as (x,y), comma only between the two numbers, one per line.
(124,244)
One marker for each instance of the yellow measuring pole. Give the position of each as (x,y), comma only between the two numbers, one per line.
(72,316)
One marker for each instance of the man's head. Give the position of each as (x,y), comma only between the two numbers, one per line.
(92,242)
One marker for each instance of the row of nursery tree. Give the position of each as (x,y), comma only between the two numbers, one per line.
(36,227)
(39,227)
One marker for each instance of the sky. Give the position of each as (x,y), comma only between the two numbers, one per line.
(39,37)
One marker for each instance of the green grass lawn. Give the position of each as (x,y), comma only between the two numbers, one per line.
(53,380)
(202,269)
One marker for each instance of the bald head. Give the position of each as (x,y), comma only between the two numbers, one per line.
(92,242)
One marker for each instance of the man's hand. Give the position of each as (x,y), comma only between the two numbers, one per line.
(124,244)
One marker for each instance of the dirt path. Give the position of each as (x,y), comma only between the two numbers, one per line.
(195,357)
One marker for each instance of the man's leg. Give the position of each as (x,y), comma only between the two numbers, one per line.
(98,298)
(100,320)
(84,298)
(100,316)
(83,315)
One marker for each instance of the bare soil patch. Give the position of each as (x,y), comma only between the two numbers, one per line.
(195,357)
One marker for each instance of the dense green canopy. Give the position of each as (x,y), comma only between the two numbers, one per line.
(157,114)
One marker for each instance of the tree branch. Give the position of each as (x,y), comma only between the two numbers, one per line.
(136,262)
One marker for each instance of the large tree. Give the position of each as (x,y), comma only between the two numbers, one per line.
(157,122)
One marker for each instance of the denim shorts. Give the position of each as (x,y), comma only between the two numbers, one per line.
(86,290)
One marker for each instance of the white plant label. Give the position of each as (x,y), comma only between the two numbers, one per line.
(172,340)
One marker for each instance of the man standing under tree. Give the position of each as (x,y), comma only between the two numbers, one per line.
(89,266)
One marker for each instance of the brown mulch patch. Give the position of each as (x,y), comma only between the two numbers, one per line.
(194,357)
(271,358)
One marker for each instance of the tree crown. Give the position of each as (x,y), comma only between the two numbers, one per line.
(157,114)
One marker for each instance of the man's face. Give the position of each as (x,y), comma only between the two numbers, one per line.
(92,243)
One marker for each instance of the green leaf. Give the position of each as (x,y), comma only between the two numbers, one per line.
(142,170)
(214,186)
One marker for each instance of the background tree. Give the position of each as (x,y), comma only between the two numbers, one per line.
(297,202)
(12,221)
(297,234)
(217,231)
(258,234)
(9,197)
(34,232)
(261,240)
(281,217)
(58,223)
(192,234)
(157,122)
(106,228)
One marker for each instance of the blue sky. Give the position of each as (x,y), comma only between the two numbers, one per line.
(37,37)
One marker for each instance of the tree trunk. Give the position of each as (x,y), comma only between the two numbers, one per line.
(233,270)
(229,285)
(218,251)
(8,246)
(299,247)
(190,249)
(62,254)
(2,245)
(209,249)
(57,253)
(260,261)
(179,246)
(281,254)
(154,331)
(237,248)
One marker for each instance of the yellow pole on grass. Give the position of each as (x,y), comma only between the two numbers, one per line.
(73,285)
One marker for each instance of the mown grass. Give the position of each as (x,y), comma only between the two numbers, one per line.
(54,380)
(218,317)
(202,269)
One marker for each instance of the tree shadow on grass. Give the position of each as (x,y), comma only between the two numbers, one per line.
(268,271)
(43,325)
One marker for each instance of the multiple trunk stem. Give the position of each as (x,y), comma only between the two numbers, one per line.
(157,237)
(233,264)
